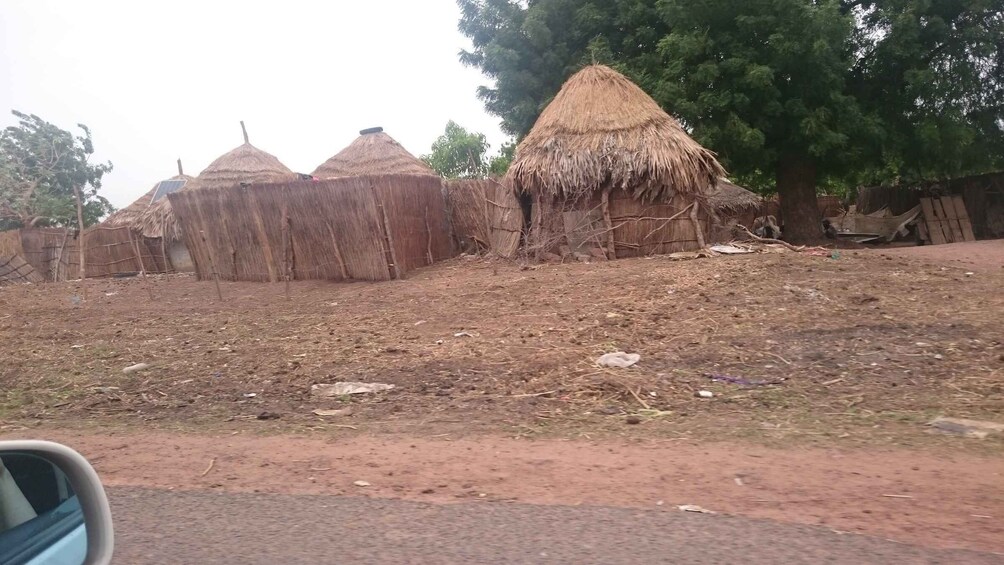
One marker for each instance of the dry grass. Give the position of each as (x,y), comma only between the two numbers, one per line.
(729,199)
(602,130)
(486,215)
(372,154)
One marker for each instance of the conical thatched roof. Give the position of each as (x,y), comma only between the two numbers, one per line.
(727,196)
(133,215)
(372,153)
(245,164)
(603,130)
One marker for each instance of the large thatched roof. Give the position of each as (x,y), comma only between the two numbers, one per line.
(726,196)
(245,164)
(603,130)
(372,153)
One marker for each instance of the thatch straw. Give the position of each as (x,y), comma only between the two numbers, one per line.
(602,130)
(137,215)
(244,165)
(726,196)
(373,153)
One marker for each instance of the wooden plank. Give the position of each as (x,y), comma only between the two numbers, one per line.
(939,211)
(933,225)
(952,218)
(964,222)
(923,232)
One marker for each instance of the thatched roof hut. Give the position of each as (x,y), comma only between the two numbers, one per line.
(604,146)
(602,130)
(244,165)
(730,199)
(372,153)
(132,216)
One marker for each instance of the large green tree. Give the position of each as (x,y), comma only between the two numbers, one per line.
(801,91)
(42,168)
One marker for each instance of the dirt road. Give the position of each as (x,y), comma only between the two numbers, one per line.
(197,527)
(931,499)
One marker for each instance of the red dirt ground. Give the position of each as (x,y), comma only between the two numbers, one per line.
(924,498)
(987,256)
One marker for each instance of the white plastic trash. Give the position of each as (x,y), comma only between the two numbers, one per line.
(618,360)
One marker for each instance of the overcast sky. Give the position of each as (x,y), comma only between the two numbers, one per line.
(156,81)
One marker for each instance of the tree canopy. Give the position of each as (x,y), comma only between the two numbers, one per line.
(40,167)
(800,91)
(459,153)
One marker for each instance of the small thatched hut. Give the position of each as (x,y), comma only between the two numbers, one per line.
(372,153)
(244,165)
(611,174)
(732,205)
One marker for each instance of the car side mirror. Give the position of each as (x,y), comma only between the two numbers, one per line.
(53,509)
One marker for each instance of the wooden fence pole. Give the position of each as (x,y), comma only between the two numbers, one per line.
(428,230)
(142,271)
(285,247)
(608,223)
(697,225)
(212,265)
(338,252)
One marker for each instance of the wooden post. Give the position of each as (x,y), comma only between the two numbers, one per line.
(80,236)
(180,170)
(245,131)
(59,256)
(697,225)
(139,259)
(212,265)
(608,223)
(338,252)
(428,230)
(285,247)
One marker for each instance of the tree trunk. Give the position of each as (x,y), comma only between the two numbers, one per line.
(80,234)
(796,187)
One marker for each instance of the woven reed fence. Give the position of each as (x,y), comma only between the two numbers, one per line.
(15,270)
(54,252)
(486,215)
(353,228)
(639,229)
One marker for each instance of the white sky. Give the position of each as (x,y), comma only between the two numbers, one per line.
(160,80)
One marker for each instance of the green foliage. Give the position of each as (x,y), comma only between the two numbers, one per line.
(459,153)
(40,166)
(833,92)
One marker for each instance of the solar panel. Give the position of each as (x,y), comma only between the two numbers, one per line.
(167,187)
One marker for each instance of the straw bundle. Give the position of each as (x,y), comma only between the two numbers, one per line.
(603,131)
(372,153)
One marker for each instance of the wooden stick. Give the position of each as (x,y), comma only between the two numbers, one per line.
(80,226)
(139,259)
(428,231)
(338,252)
(697,225)
(212,266)
(285,248)
(769,240)
(608,223)
(212,463)
(667,220)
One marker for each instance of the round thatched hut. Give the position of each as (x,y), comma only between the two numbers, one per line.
(611,174)
(244,165)
(732,205)
(372,153)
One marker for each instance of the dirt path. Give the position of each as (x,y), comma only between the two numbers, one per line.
(986,256)
(928,499)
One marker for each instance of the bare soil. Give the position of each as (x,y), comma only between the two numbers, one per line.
(985,256)
(924,498)
(858,350)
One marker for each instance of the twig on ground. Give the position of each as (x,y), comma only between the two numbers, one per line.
(212,463)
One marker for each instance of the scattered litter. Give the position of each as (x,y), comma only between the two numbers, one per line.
(970,273)
(939,356)
(705,394)
(76,300)
(268,416)
(694,508)
(250,394)
(135,368)
(922,344)
(342,389)
(420,322)
(811,293)
(897,496)
(361,484)
(685,255)
(439,342)
(110,293)
(76,347)
(660,503)
(613,315)
(618,360)
(464,334)
(339,412)
(747,382)
(980,516)
(966,428)
(739,482)
(729,250)
(106,389)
